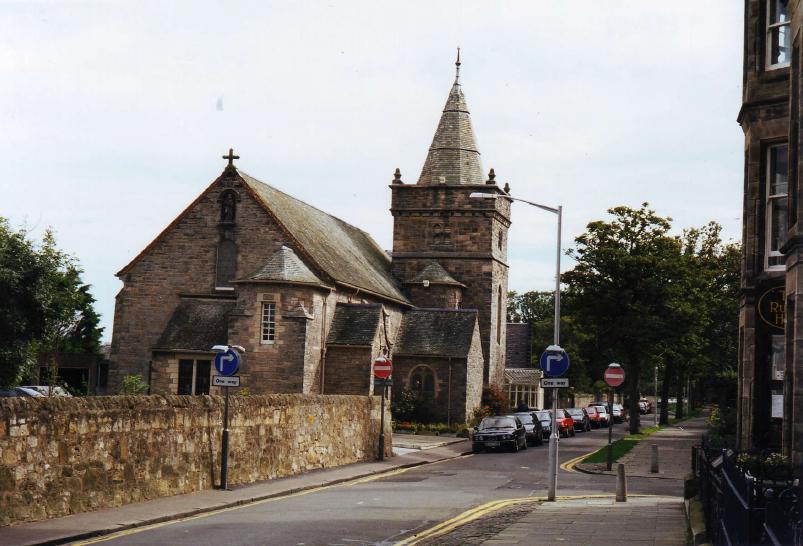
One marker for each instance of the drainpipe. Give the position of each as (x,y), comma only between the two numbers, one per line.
(449,396)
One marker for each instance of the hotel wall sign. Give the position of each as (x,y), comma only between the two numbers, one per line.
(772,307)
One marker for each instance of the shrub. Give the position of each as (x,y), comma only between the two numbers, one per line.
(133,385)
(496,399)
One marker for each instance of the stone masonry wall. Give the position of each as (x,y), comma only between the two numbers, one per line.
(61,456)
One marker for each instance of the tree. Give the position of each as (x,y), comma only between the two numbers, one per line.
(538,310)
(44,305)
(622,287)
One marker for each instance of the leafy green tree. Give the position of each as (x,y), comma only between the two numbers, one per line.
(44,305)
(538,310)
(622,287)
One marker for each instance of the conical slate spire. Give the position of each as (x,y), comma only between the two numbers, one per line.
(453,156)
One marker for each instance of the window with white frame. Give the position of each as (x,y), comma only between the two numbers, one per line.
(776,221)
(268,322)
(193,376)
(779,34)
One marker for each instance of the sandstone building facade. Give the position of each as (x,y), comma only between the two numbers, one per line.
(314,300)
(770,413)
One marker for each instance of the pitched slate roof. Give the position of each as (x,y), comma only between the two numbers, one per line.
(197,325)
(523,376)
(347,254)
(436,332)
(435,274)
(354,324)
(285,265)
(517,345)
(453,156)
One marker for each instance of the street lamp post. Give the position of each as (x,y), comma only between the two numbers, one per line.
(554,438)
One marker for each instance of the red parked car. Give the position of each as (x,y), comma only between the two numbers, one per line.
(565,423)
(594,417)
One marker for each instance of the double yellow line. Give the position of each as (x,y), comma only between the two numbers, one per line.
(464,518)
(569,465)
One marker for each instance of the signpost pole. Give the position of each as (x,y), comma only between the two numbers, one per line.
(382,423)
(554,438)
(224,458)
(610,429)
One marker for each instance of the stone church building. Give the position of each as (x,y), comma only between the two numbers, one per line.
(313,299)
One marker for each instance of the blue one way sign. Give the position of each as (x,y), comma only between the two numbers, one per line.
(554,363)
(226,363)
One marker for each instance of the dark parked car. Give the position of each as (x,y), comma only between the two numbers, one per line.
(498,432)
(545,417)
(532,426)
(581,420)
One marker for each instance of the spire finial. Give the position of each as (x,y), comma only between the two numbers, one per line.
(491,177)
(457,65)
(397,177)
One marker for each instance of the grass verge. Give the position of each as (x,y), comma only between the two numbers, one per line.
(623,445)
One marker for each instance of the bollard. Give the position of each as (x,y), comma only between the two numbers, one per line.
(654,459)
(621,483)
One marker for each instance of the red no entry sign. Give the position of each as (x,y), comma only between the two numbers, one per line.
(383,367)
(614,375)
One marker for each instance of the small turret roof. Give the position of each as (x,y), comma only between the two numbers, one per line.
(285,265)
(435,274)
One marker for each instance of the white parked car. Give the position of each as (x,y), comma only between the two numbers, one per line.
(47,390)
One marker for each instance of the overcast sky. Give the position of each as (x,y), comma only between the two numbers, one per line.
(115,114)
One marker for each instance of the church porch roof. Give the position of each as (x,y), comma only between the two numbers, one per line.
(436,332)
(197,325)
(435,274)
(355,324)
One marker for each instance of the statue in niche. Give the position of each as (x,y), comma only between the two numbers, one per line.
(228,208)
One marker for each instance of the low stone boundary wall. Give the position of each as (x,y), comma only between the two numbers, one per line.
(61,456)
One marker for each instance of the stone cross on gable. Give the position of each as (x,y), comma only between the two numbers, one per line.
(231,157)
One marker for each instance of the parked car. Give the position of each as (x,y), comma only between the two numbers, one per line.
(618,413)
(47,390)
(565,423)
(545,417)
(499,432)
(644,406)
(581,420)
(593,417)
(532,426)
(604,416)
(20,392)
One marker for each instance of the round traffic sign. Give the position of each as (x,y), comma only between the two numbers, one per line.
(383,367)
(554,363)
(227,362)
(614,375)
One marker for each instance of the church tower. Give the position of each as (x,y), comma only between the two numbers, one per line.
(450,250)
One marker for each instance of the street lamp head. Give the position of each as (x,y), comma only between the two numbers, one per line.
(481,195)
(614,365)
(555,349)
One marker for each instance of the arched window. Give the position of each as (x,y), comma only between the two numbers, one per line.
(226,264)
(422,381)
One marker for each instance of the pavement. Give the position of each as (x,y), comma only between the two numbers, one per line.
(596,520)
(430,449)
